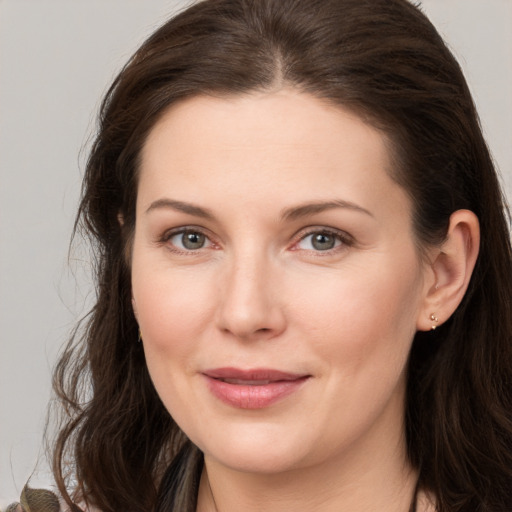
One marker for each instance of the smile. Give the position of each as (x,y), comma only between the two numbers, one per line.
(252,389)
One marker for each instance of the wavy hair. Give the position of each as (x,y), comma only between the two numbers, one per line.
(383,60)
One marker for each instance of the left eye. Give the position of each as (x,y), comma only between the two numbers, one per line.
(320,241)
(189,240)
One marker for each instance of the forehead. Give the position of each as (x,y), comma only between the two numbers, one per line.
(285,117)
(257,144)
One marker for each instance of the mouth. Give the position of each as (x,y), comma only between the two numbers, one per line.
(241,382)
(252,389)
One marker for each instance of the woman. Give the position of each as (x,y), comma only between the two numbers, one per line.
(303,269)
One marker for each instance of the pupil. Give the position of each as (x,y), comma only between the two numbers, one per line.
(193,240)
(323,242)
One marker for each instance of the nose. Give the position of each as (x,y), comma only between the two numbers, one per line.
(250,300)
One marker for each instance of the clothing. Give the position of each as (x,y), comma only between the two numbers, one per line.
(36,500)
(41,500)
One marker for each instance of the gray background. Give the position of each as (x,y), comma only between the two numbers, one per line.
(56,59)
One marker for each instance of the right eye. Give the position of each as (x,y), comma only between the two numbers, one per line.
(189,240)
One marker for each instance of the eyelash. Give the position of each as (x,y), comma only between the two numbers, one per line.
(168,235)
(344,239)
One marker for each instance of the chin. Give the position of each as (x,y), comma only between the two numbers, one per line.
(256,460)
(257,450)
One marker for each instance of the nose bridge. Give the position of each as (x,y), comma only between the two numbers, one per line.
(249,306)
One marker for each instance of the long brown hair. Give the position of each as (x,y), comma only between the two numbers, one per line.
(383,60)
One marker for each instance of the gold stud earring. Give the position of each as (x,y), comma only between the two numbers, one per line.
(434,318)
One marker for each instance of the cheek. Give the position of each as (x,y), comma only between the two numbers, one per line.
(361,327)
(363,313)
(174,314)
(172,308)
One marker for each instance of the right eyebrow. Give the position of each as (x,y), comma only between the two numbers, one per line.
(180,206)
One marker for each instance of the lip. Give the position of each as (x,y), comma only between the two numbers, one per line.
(254,388)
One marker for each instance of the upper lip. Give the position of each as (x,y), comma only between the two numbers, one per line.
(254,374)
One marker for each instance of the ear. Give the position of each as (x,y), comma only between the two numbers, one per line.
(134,307)
(452,265)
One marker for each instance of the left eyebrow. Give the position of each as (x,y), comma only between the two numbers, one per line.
(304,210)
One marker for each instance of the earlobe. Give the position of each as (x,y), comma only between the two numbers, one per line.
(134,307)
(452,267)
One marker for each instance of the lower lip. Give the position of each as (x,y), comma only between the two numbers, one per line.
(252,396)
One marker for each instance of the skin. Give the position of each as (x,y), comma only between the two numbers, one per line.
(259,293)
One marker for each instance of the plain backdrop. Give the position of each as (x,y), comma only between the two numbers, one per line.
(57,58)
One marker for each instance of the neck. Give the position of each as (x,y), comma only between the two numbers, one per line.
(372,484)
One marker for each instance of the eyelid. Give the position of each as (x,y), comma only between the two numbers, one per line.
(346,239)
(170,233)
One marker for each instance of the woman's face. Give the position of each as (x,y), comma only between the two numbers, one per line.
(276,280)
